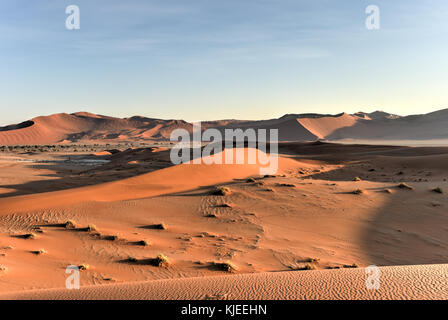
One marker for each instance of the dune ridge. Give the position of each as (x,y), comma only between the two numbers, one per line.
(84,127)
(398,283)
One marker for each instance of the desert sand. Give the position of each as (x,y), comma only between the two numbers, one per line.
(398,283)
(306,232)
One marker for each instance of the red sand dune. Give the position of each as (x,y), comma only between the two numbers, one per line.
(169,180)
(86,127)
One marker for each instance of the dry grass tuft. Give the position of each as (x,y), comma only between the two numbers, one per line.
(84,267)
(39,252)
(143,243)
(357,179)
(91,228)
(31,235)
(222,191)
(309,266)
(161,261)
(111,238)
(156,226)
(358,191)
(160,226)
(70,224)
(437,190)
(289,185)
(225,266)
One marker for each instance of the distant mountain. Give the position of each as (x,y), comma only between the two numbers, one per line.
(84,127)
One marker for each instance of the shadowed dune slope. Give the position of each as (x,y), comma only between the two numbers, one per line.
(402,282)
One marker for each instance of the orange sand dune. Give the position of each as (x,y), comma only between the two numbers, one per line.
(402,282)
(87,127)
(169,180)
(325,126)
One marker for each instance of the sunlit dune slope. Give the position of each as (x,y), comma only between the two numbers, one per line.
(402,282)
(169,180)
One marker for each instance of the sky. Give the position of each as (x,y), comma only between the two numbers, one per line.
(210,59)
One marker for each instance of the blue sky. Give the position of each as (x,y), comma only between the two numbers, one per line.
(209,59)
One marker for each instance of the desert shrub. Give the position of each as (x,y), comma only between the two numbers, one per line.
(84,267)
(113,237)
(156,226)
(161,260)
(31,235)
(222,191)
(144,243)
(91,227)
(70,224)
(39,252)
(309,266)
(225,266)
(289,185)
(437,190)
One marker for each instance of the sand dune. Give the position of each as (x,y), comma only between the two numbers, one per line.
(88,127)
(402,282)
(325,126)
(84,127)
(179,178)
